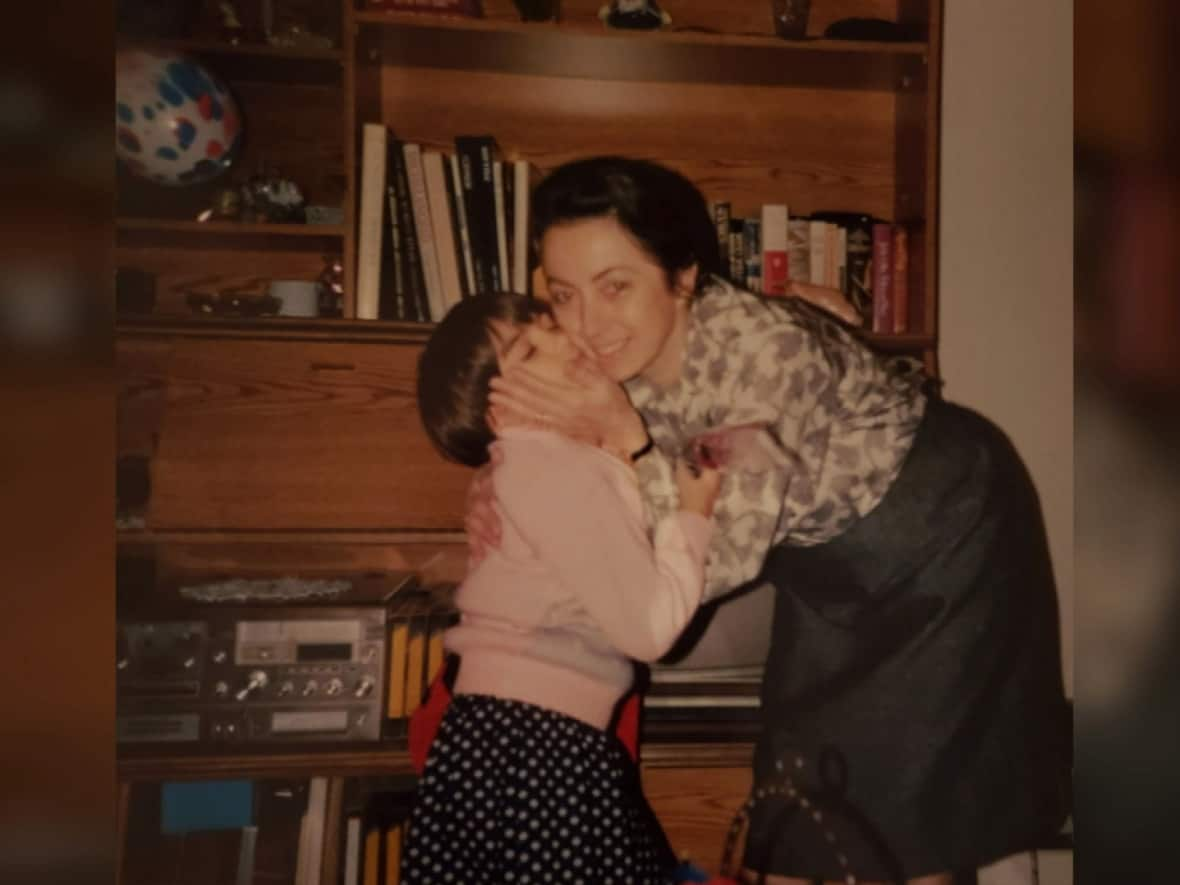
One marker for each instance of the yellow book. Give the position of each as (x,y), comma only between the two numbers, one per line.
(393,854)
(369,874)
(396,690)
(415,663)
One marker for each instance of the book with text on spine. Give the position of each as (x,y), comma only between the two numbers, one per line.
(776,272)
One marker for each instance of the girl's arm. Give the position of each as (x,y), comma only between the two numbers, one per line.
(587,528)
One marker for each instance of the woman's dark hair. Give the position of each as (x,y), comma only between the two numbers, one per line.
(456,367)
(659,207)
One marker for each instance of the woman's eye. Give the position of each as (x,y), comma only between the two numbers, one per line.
(560,296)
(616,287)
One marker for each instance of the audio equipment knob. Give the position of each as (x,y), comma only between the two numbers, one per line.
(122,652)
(310,688)
(364,688)
(256,681)
(286,689)
(334,687)
(221,688)
(219,656)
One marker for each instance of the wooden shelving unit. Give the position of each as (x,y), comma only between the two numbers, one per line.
(228,228)
(282,442)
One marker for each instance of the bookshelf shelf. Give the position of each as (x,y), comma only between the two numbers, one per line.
(671,35)
(228,228)
(375,331)
(246,50)
(263,763)
(380,759)
(229,536)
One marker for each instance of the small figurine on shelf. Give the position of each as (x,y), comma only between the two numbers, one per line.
(268,197)
(331,287)
(636,15)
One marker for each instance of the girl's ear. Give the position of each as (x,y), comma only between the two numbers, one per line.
(686,280)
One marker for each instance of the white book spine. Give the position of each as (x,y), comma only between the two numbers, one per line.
(352,851)
(317,807)
(819,252)
(501,221)
(464,230)
(520,227)
(426,247)
(369,235)
(435,170)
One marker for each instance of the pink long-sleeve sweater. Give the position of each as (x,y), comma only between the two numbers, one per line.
(577,588)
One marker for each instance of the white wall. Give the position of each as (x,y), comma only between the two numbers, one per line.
(1006,242)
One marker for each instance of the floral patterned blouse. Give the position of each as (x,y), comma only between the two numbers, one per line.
(840,417)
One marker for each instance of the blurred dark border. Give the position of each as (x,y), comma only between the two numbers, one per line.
(1127,435)
(57,443)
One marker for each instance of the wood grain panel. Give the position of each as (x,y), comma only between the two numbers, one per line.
(140,369)
(695,807)
(293,435)
(813,149)
(439,561)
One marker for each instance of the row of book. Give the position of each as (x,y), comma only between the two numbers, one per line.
(436,227)
(866,258)
(373,836)
(418,620)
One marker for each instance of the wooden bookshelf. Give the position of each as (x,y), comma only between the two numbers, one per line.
(277,442)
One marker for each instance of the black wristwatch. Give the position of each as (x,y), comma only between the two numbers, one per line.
(643,450)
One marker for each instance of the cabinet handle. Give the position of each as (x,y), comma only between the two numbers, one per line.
(333,367)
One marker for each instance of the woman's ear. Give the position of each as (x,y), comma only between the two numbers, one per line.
(686,280)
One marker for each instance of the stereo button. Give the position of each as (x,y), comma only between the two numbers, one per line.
(364,688)
(286,689)
(335,686)
(310,688)
(256,682)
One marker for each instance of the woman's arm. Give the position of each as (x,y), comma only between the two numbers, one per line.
(774,377)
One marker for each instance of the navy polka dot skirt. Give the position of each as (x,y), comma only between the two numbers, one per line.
(516,793)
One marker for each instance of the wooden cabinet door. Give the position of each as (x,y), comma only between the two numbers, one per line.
(273,434)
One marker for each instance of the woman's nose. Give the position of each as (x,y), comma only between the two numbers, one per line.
(590,317)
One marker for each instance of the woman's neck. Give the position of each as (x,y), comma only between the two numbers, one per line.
(664,370)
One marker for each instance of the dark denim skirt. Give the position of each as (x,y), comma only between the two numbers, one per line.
(914,715)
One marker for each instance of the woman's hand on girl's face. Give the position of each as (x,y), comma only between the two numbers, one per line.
(584,405)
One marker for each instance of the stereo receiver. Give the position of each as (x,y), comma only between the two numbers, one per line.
(255,667)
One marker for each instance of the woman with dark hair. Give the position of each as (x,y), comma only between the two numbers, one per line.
(912,695)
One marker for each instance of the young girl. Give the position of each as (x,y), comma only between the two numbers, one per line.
(523,783)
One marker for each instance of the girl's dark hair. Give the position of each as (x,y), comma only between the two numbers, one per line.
(659,207)
(456,367)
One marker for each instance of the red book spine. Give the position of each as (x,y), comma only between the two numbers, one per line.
(901,279)
(882,277)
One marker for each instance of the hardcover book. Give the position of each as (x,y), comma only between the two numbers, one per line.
(775,264)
